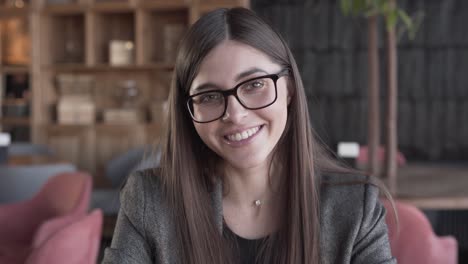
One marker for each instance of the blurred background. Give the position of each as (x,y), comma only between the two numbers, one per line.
(84,87)
(331,50)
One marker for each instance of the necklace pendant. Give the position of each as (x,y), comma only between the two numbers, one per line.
(257,203)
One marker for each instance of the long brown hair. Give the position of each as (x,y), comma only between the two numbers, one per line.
(189,167)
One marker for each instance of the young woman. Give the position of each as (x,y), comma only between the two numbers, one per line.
(242,179)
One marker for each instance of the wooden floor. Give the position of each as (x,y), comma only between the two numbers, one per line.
(434,186)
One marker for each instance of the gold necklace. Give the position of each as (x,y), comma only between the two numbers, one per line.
(257,203)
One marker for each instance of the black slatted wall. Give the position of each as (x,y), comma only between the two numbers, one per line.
(433,73)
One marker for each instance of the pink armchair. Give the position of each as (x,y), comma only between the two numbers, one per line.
(363,157)
(65,196)
(415,241)
(76,243)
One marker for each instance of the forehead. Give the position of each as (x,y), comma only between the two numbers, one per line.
(230,58)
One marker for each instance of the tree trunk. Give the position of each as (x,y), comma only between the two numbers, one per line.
(373,98)
(392,97)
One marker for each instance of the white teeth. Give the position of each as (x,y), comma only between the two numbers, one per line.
(243,135)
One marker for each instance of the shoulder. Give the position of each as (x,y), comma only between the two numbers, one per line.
(346,197)
(351,216)
(340,187)
(140,185)
(144,201)
(143,183)
(142,190)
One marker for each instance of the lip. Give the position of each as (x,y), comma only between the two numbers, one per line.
(238,130)
(244,141)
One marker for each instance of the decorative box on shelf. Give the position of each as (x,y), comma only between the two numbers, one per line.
(76,110)
(18,107)
(16,43)
(121,52)
(123,116)
(74,84)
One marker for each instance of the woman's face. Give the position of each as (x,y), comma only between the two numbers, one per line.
(243,138)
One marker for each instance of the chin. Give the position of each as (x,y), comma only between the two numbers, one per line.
(247,162)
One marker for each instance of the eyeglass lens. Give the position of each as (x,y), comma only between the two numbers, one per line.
(254,94)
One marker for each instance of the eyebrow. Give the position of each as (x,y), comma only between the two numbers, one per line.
(249,72)
(238,78)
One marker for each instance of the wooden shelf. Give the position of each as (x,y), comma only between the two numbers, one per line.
(153,66)
(163,30)
(102,125)
(107,67)
(434,186)
(15,101)
(14,69)
(15,121)
(111,26)
(207,7)
(115,127)
(74,40)
(438,203)
(64,9)
(164,6)
(68,42)
(14,11)
(112,7)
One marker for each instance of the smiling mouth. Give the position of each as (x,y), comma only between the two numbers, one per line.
(248,133)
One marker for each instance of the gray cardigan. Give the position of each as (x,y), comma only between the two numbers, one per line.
(353,228)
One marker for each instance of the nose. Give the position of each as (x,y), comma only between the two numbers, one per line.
(235,112)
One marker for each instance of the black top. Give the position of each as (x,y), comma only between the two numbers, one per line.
(246,249)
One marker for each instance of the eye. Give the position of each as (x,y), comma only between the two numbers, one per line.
(253,85)
(208,98)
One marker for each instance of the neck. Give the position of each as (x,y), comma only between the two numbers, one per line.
(249,185)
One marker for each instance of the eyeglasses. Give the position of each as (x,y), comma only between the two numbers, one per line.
(252,94)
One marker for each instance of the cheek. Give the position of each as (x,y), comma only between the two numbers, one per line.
(204,132)
(282,101)
(277,113)
(200,130)
(281,109)
(284,86)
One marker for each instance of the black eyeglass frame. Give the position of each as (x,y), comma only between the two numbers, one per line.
(233,91)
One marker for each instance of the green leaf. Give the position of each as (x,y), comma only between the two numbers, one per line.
(384,7)
(359,5)
(391,19)
(371,12)
(417,21)
(345,6)
(407,21)
(354,7)
(411,24)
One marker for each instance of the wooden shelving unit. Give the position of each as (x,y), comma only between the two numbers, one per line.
(77,68)
(15,70)
(112,6)
(16,121)
(165,5)
(63,9)
(73,38)
(14,11)
(434,185)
